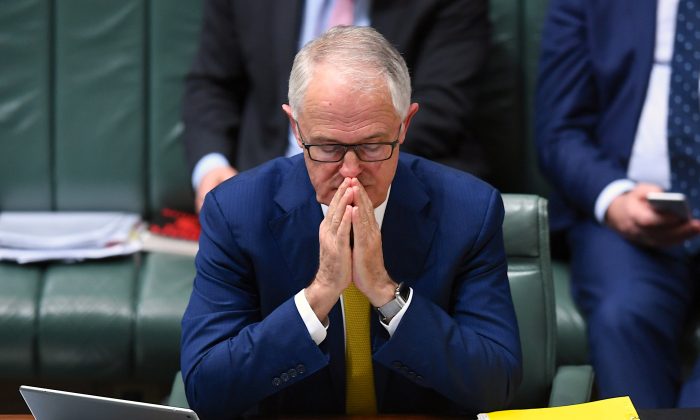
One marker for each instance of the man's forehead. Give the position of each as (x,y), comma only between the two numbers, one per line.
(345,105)
(332,102)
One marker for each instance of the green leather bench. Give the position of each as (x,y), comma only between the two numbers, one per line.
(89,120)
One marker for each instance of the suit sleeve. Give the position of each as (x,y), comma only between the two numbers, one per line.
(568,111)
(469,353)
(232,358)
(214,87)
(450,49)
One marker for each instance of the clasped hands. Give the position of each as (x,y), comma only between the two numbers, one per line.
(632,216)
(350,212)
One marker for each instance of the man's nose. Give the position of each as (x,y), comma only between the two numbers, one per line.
(350,165)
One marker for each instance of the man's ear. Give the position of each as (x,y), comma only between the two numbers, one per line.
(406,122)
(288,110)
(292,122)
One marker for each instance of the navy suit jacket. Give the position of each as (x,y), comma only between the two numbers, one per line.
(245,348)
(595,64)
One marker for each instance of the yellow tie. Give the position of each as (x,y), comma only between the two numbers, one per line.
(359,377)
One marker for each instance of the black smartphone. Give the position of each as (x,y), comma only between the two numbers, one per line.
(669,202)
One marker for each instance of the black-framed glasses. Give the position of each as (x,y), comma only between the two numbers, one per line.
(335,152)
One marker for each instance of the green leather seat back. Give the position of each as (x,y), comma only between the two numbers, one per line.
(526,237)
(25,101)
(504,109)
(99,142)
(90,104)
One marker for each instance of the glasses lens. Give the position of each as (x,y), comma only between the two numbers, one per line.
(374,152)
(326,152)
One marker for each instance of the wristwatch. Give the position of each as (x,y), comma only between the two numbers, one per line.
(391,308)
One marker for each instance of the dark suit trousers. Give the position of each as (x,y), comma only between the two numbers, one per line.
(636,301)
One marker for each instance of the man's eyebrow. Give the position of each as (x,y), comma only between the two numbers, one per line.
(323,139)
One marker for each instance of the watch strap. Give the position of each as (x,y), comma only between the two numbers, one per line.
(394,306)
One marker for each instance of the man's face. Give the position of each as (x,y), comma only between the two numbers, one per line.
(333,113)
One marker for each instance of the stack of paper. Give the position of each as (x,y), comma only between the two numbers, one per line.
(38,236)
(619,408)
(158,243)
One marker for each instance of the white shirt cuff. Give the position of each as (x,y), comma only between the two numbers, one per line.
(316,329)
(394,322)
(609,193)
(205,164)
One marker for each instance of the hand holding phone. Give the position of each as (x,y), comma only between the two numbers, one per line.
(668,202)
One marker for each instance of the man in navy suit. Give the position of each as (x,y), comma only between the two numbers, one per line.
(265,332)
(602,105)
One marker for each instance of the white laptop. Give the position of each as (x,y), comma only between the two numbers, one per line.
(50,404)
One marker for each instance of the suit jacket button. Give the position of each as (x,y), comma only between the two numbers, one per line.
(419,378)
(397,364)
(292,373)
(276,381)
(301,369)
(284,377)
(411,373)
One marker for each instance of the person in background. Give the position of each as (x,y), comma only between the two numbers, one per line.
(617,118)
(354,278)
(239,77)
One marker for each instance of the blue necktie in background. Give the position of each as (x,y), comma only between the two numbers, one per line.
(684,108)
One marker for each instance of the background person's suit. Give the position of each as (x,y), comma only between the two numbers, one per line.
(595,64)
(596,61)
(456,349)
(239,78)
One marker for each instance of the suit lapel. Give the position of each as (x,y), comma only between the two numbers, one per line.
(644,25)
(296,229)
(407,235)
(407,232)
